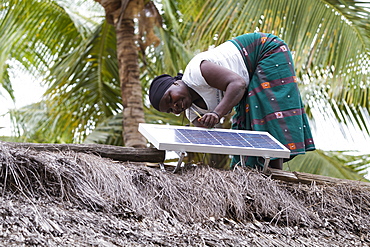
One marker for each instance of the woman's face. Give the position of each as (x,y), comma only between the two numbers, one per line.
(176,99)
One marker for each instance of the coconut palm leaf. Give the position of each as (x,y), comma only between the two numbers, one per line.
(329,41)
(108,131)
(321,35)
(85,87)
(31,38)
(334,164)
(33,34)
(84,70)
(34,38)
(30,125)
(6,83)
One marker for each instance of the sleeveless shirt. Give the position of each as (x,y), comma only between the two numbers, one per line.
(226,55)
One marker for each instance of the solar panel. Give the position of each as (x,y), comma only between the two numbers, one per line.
(220,141)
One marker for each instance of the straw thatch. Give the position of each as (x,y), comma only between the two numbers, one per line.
(77,199)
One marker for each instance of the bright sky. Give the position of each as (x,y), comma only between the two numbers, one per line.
(26,92)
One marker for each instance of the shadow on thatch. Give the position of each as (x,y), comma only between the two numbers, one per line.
(196,196)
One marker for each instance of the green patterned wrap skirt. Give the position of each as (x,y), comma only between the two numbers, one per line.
(272,101)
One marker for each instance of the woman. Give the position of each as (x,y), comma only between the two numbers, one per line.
(254,73)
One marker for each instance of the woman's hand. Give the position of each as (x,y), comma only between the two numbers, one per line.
(209,120)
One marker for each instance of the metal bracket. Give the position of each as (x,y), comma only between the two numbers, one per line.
(242,161)
(181,155)
(266,164)
(161,166)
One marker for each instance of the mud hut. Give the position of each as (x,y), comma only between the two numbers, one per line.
(69,198)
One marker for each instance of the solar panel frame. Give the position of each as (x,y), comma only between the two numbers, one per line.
(163,137)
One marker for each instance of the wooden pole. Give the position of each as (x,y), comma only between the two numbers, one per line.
(306,178)
(107,151)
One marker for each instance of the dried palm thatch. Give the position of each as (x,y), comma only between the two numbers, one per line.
(73,199)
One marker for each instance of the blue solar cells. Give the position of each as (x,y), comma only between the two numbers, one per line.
(219,138)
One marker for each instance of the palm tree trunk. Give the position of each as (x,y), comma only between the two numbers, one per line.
(121,14)
(129,72)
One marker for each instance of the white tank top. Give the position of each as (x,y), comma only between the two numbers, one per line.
(226,55)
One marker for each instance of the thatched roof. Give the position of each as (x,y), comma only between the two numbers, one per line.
(77,199)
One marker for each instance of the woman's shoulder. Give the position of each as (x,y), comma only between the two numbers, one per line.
(192,74)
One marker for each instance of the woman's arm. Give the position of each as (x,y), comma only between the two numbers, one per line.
(226,80)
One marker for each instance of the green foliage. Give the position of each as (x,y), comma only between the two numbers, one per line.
(30,125)
(31,36)
(9,139)
(6,83)
(84,86)
(333,164)
(75,57)
(108,132)
(33,33)
(320,34)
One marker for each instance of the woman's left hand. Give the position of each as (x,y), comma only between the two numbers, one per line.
(209,120)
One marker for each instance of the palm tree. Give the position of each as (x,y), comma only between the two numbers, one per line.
(121,14)
(82,66)
(30,39)
(83,81)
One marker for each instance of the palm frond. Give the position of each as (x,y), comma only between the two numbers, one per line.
(32,37)
(336,127)
(320,33)
(329,41)
(332,164)
(6,83)
(30,125)
(155,117)
(85,86)
(109,131)
(91,16)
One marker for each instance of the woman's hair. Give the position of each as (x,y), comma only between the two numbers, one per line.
(159,86)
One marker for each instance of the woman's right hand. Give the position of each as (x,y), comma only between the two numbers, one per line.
(209,120)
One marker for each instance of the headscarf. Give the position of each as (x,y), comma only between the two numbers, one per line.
(159,86)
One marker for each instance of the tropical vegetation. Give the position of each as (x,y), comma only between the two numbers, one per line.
(74,54)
